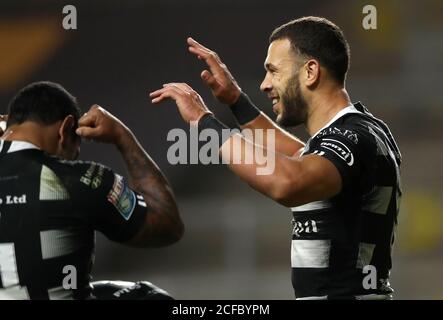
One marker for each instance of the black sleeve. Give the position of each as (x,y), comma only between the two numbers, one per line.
(349,150)
(111,206)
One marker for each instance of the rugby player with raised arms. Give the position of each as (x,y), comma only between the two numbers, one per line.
(51,204)
(342,185)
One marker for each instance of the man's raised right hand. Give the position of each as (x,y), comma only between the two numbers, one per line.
(218,78)
(101,126)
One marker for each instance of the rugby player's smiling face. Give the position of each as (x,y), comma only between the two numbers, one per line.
(279,65)
(282,83)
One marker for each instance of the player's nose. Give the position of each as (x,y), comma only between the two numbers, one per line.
(266,84)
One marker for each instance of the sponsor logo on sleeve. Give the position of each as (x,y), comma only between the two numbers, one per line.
(340,149)
(122,197)
(92,177)
(86,178)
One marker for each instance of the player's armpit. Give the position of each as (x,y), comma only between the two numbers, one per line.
(309,178)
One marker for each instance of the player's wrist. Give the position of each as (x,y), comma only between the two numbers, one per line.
(123,137)
(244,110)
(208,121)
(202,114)
(234,96)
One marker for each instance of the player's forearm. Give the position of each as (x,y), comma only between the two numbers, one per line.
(285,143)
(248,116)
(146,178)
(267,171)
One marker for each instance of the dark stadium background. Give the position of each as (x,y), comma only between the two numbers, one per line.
(237,242)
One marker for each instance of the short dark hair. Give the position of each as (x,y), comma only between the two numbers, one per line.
(320,39)
(43,102)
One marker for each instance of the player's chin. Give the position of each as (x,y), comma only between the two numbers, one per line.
(277,111)
(288,121)
(280,119)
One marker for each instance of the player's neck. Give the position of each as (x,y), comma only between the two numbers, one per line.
(324,107)
(31,132)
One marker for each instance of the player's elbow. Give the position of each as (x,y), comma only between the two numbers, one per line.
(170,228)
(175,231)
(162,227)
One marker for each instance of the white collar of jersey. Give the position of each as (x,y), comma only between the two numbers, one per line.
(341,113)
(17,145)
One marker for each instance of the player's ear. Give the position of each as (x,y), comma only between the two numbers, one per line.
(66,129)
(311,73)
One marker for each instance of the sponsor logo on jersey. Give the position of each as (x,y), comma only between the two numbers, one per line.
(8,199)
(299,228)
(86,178)
(122,197)
(339,149)
(320,153)
(351,135)
(91,180)
(97,180)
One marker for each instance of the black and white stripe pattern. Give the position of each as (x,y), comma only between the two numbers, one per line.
(50,209)
(334,240)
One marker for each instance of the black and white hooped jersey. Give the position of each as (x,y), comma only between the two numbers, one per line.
(49,211)
(341,247)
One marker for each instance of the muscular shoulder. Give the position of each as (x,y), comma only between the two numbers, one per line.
(350,146)
(79,175)
(353,132)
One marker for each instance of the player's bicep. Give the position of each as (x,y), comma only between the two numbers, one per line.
(320,179)
(124,212)
(332,163)
(113,207)
(314,178)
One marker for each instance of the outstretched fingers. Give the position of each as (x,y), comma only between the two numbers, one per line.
(170,91)
(210,57)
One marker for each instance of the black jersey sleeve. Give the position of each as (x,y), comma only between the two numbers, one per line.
(107,201)
(350,150)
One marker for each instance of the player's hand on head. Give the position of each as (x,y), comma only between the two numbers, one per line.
(189,102)
(218,78)
(100,125)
